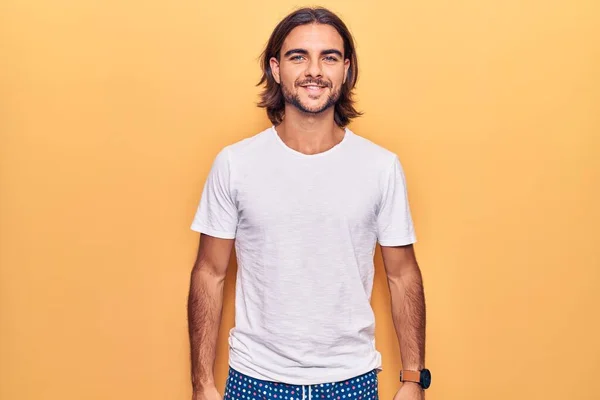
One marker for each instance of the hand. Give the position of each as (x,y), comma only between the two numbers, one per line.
(410,391)
(208,393)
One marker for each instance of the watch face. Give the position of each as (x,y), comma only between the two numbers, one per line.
(425,378)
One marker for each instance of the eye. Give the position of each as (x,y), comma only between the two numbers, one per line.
(296,57)
(331,58)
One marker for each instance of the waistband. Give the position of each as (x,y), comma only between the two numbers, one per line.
(237,381)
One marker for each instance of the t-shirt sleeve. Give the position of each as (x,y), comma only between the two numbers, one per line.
(217,214)
(394,220)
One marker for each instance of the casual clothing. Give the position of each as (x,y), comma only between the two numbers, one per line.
(243,387)
(306,227)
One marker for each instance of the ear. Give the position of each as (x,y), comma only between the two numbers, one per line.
(275,69)
(346,67)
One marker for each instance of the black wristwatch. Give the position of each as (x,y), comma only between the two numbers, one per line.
(422,377)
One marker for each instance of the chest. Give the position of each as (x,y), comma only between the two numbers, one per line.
(297,198)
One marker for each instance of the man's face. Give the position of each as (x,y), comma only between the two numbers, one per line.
(311,69)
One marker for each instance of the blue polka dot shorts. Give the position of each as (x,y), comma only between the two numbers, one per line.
(243,387)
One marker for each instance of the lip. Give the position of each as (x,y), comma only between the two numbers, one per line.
(313,88)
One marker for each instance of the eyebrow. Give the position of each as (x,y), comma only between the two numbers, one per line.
(305,52)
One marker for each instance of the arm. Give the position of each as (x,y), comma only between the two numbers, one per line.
(205,302)
(408,303)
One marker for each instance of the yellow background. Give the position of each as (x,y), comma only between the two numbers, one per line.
(111,113)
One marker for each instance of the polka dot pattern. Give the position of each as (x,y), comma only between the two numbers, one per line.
(243,387)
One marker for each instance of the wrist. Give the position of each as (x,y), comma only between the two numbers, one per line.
(413,367)
(411,383)
(203,386)
(421,377)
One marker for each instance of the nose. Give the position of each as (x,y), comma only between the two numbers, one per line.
(313,68)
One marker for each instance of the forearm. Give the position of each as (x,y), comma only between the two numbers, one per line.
(409,316)
(205,302)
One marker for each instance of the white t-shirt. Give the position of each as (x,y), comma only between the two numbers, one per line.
(305,229)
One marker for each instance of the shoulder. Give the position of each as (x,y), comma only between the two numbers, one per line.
(247,146)
(372,153)
(237,152)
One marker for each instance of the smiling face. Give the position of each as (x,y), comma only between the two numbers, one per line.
(311,68)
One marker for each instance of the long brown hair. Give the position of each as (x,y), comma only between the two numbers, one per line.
(272,97)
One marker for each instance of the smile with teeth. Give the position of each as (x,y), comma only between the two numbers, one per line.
(313,88)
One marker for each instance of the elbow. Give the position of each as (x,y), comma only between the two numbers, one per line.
(208,272)
(408,276)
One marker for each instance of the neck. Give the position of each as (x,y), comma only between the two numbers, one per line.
(309,133)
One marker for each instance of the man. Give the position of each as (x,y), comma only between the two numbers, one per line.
(305,202)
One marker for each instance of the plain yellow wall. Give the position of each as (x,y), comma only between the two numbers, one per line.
(111,114)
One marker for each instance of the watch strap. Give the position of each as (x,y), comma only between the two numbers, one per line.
(410,376)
